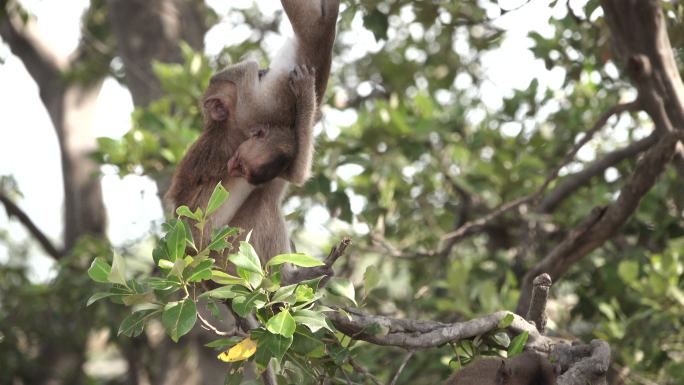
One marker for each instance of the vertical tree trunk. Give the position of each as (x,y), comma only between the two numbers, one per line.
(72,115)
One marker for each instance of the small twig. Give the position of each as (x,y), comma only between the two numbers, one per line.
(364,371)
(337,251)
(208,326)
(14,211)
(405,361)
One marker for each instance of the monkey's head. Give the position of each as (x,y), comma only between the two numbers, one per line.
(264,155)
(230,93)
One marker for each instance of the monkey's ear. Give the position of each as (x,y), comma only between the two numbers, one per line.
(215,108)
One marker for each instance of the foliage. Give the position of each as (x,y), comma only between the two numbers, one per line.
(293,322)
(426,149)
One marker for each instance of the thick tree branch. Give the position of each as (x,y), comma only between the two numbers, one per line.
(590,369)
(640,38)
(43,65)
(418,334)
(575,181)
(14,211)
(603,221)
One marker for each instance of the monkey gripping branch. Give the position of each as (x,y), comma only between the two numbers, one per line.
(288,326)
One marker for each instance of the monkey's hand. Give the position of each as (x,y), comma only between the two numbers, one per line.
(302,82)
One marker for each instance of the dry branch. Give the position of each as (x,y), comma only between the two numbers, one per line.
(540,294)
(16,212)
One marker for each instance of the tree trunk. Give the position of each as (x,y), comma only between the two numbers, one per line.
(72,115)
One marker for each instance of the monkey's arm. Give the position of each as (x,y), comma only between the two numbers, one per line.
(302,83)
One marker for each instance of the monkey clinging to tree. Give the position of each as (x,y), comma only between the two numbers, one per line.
(258,130)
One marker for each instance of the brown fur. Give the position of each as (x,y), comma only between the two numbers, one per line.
(238,104)
(527,368)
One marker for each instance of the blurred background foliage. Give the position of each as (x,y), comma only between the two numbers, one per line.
(421,153)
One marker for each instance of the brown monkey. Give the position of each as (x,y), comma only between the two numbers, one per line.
(244,105)
(527,368)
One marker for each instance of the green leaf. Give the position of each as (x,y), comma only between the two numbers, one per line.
(517,344)
(160,252)
(506,321)
(306,343)
(99,270)
(99,296)
(201,272)
(184,211)
(282,323)
(118,272)
(224,343)
(226,279)
(218,239)
(178,268)
(225,292)
(247,258)
(304,294)
(285,294)
(218,196)
(245,304)
(179,317)
(133,325)
(343,288)
(311,319)
(175,240)
(628,271)
(169,283)
(301,260)
(275,345)
(371,278)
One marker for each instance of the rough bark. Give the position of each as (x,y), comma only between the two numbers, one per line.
(641,42)
(152,30)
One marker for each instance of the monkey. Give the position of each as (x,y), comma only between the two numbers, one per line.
(257,136)
(527,368)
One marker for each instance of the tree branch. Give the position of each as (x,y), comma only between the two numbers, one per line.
(418,334)
(575,181)
(479,224)
(639,35)
(43,65)
(603,221)
(404,361)
(540,294)
(587,370)
(14,211)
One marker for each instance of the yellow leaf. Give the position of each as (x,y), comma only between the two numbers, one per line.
(240,352)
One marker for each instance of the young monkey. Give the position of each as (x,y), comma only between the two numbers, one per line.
(258,130)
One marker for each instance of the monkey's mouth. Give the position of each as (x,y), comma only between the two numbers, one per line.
(263,73)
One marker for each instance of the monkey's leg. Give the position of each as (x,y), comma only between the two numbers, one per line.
(302,82)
